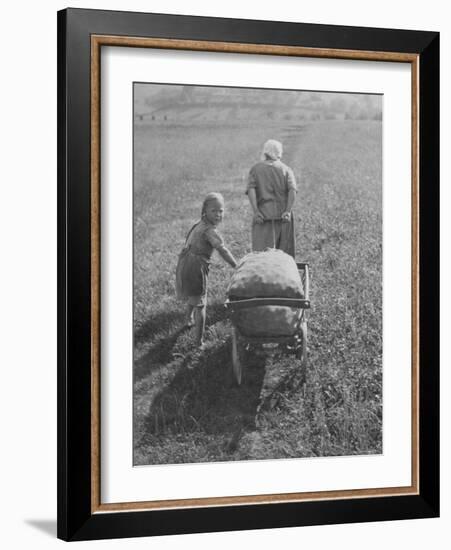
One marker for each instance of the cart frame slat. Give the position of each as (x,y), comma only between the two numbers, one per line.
(235,305)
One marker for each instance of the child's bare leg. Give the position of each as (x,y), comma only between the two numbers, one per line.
(190,312)
(199,317)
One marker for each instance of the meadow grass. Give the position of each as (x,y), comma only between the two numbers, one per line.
(186,408)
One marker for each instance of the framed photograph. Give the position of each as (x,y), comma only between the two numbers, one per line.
(248,274)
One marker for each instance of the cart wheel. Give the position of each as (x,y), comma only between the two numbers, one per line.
(237,368)
(301,351)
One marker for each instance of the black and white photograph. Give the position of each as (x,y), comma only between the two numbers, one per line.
(225,299)
(257,274)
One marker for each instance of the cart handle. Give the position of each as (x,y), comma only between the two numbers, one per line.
(307,281)
(304,266)
(299,303)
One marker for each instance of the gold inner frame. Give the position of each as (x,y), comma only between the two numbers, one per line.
(97,41)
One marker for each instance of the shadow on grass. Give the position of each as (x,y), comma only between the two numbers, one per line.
(161,352)
(202,398)
(164,320)
(156,324)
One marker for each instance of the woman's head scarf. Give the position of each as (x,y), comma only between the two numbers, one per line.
(272,149)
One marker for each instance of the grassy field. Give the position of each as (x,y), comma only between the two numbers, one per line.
(186,408)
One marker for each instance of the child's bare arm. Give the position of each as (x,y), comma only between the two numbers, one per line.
(227,255)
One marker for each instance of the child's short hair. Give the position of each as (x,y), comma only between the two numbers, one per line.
(210,198)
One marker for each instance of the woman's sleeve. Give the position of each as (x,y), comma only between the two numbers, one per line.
(251,181)
(291,180)
(214,238)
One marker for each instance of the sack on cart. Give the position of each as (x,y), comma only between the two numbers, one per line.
(271,273)
(267,274)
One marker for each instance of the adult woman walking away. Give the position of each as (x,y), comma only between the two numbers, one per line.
(271,190)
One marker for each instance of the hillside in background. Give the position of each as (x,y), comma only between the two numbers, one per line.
(191,104)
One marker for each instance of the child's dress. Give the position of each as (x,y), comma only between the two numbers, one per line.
(194,263)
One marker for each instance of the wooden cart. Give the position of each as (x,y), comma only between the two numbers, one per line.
(296,341)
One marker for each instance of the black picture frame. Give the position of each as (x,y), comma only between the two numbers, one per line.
(76,518)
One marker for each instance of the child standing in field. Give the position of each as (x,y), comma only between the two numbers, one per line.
(194,261)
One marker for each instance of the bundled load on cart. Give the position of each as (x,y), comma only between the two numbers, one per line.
(267,298)
(268,274)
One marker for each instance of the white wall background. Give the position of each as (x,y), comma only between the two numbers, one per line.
(28,275)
